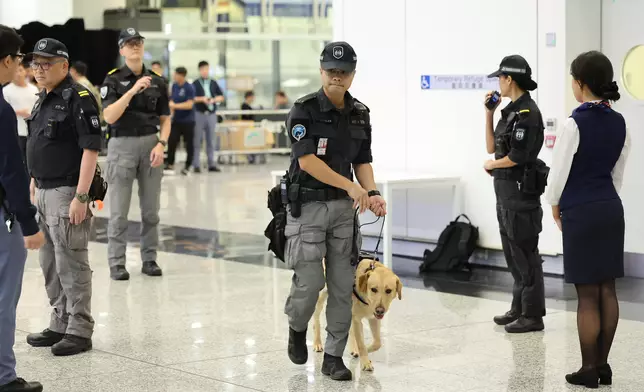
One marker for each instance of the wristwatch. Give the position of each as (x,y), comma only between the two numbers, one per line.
(373,193)
(163,143)
(82,197)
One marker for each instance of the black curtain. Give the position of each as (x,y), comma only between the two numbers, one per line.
(96,48)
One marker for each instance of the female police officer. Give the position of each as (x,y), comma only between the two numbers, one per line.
(331,134)
(518,183)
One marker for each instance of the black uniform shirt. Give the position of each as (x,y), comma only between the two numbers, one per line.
(141,117)
(338,137)
(519,136)
(62,124)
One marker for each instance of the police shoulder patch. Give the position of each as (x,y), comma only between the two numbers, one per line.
(307,97)
(112,71)
(298,131)
(103,91)
(519,134)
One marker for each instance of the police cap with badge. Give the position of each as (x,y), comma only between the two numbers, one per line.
(338,55)
(49,47)
(129,34)
(517,67)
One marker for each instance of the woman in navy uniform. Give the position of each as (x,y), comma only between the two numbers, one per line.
(587,170)
(515,143)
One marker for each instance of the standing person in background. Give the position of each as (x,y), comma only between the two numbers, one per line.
(18,226)
(281,100)
(516,143)
(587,170)
(22,97)
(249,99)
(79,73)
(135,104)
(207,96)
(157,68)
(183,119)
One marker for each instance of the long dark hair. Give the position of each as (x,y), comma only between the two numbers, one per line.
(594,69)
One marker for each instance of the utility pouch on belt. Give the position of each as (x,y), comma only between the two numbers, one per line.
(275,229)
(535,178)
(296,202)
(98,188)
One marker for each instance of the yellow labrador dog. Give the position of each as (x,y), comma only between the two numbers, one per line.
(375,288)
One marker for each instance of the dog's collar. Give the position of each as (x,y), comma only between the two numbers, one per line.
(355,292)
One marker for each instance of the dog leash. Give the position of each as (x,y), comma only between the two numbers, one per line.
(356,229)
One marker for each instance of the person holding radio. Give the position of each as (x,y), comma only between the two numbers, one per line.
(519,181)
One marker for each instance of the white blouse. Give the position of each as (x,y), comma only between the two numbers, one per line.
(562,157)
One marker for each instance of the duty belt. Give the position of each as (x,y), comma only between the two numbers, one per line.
(506,174)
(132,132)
(327,194)
(56,182)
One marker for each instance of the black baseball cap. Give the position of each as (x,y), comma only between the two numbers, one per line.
(128,34)
(338,55)
(517,67)
(49,47)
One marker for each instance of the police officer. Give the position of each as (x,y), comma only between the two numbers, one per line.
(515,143)
(136,105)
(62,150)
(330,133)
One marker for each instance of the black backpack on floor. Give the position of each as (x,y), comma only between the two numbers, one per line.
(455,246)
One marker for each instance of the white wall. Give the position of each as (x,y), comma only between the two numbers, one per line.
(16,13)
(443,131)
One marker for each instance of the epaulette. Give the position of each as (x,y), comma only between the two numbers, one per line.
(307,98)
(81,90)
(112,71)
(156,73)
(524,111)
(361,106)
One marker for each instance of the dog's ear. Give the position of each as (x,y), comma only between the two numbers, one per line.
(399,288)
(362,282)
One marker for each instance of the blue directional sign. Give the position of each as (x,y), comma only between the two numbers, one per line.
(458,82)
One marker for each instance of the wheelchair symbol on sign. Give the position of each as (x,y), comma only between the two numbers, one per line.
(424,82)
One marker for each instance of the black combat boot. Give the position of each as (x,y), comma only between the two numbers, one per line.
(71,345)
(151,268)
(507,318)
(119,273)
(20,385)
(525,324)
(46,338)
(334,368)
(297,351)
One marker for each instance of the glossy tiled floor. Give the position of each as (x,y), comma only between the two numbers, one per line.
(215,322)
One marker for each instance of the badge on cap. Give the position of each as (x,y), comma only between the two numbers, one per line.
(322,143)
(519,134)
(103,91)
(131,31)
(338,52)
(42,44)
(298,131)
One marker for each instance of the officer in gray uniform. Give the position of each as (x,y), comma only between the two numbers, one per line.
(330,133)
(519,181)
(62,151)
(136,106)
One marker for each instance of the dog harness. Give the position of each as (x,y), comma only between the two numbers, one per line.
(372,267)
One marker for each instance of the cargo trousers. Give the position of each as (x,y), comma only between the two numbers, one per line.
(128,158)
(65,264)
(324,230)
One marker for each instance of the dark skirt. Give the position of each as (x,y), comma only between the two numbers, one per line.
(593,242)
